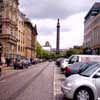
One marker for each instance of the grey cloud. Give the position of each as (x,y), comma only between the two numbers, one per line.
(53,8)
(46,31)
(65,29)
(50,31)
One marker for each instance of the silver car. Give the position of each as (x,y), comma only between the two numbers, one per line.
(64,64)
(83,86)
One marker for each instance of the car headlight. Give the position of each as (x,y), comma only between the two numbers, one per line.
(69,85)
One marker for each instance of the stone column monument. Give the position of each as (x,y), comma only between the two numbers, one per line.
(58,37)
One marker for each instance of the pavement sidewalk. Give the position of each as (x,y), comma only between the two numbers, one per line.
(6,71)
(58,79)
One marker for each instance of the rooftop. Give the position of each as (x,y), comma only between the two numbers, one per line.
(95,10)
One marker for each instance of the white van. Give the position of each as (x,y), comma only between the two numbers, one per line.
(80,58)
(84,58)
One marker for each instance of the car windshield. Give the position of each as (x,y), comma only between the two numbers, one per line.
(76,65)
(89,71)
(86,65)
(70,58)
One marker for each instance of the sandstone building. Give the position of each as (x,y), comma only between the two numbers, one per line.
(92,29)
(20,35)
(30,39)
(17,35)
(27,35)
(8,27)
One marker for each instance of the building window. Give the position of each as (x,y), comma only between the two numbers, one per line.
(0,27)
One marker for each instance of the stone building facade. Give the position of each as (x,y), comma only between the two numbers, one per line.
(17,35)
(8,27)
(20,35)
(34,39)
(27,35)
(92,29)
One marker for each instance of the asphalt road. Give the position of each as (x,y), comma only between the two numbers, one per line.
(35,83)
(38,82)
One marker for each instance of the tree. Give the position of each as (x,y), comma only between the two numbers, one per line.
(41,53)
(38,49)
(75,50)
(70,52)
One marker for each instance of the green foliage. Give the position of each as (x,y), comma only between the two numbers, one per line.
(38,49)
(41,53)
(75,50)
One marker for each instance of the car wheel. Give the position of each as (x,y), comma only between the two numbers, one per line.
(84,94)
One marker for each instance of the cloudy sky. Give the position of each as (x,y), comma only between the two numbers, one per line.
(45,13)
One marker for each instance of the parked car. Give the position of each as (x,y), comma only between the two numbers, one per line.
(25,63)
(50,60)
(82,58)
(18,63)
(63,64)
(58,61)
(40,60)
(28,61)
(36,61)
(33,61)
(83,86)
(77,67)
